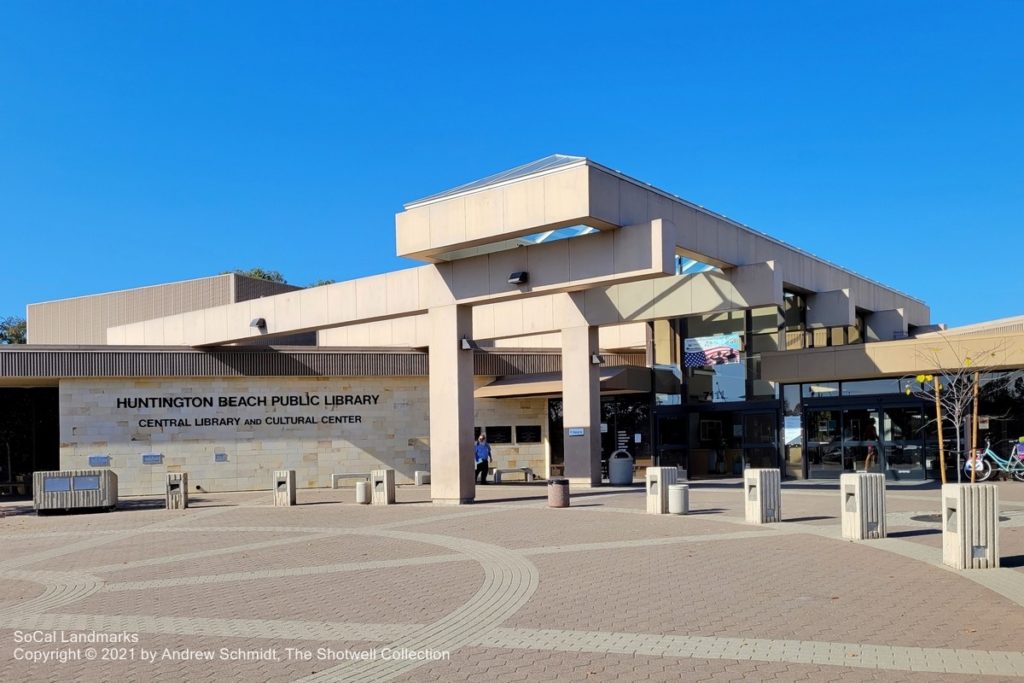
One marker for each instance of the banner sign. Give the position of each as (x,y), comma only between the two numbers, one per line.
(718,349)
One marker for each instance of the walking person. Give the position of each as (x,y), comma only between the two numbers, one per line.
(483,458)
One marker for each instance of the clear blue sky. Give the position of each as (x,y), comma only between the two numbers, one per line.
(145,142)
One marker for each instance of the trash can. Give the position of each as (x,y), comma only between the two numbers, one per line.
(863,505)
(284,488)
(970,526)
(763,495)
(620,468)
(558,493)
(363,492)
(177,490)
(678,499)
(658,481)
(382,486)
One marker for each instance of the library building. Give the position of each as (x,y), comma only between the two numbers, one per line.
(563,308)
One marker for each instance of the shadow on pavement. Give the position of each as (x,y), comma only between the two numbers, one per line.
(914,532)
(1012,562)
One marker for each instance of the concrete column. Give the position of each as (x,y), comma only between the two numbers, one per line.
(451,405)
(581,405)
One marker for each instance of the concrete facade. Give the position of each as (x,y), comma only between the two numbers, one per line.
(599,290)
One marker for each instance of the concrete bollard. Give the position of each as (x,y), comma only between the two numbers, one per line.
(558,493)
(382,485)
(177,490)
(658,481)
(422,477)
(363,492)
(678,499)
(762,493)
(863,505)
(284,488)
(970,526)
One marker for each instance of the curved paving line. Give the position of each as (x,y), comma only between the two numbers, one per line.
(510,580)
(101,540)
(59,589)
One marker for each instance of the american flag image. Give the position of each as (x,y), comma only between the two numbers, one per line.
(700,352)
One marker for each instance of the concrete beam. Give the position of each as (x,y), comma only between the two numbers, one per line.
(830,309)
(631,253)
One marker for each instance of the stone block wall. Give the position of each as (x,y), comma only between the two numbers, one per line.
(316,426)
(513,412)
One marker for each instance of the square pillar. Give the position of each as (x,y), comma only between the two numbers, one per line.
(970,526)
(284,488)
(451,405)
(177,490)
(581,405)
(382,484)
(762,492)
(863,505)
(658,480)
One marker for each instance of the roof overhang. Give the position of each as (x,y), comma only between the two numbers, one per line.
(615,380)
(927,354)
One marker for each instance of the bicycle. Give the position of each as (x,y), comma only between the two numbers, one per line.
(986,461)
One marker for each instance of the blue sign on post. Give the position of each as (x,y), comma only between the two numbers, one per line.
(575,431)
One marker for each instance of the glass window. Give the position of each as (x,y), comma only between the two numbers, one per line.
(791,399)
(795,311)
(820,390)
(528,434)
(500,434)
(869,387)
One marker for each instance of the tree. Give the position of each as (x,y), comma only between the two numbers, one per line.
(13,330)
(260,274)
(953,387)
(321,283)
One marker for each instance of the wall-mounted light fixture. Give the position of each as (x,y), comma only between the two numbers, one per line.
(259,323)
(466,344)
(520,277)
(596,359)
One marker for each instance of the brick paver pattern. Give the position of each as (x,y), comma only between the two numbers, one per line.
(504,590)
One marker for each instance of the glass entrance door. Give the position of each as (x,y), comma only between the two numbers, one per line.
(860,441)
(903,436)
(760,439)
(824,444)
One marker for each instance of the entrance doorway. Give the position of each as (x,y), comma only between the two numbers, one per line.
(865,438)
(29,437)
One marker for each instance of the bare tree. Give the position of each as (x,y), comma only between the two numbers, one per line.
(957,365)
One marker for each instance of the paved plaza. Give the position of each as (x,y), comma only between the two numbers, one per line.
(504,590)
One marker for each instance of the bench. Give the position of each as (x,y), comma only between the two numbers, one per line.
(335,478)
(525,471)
